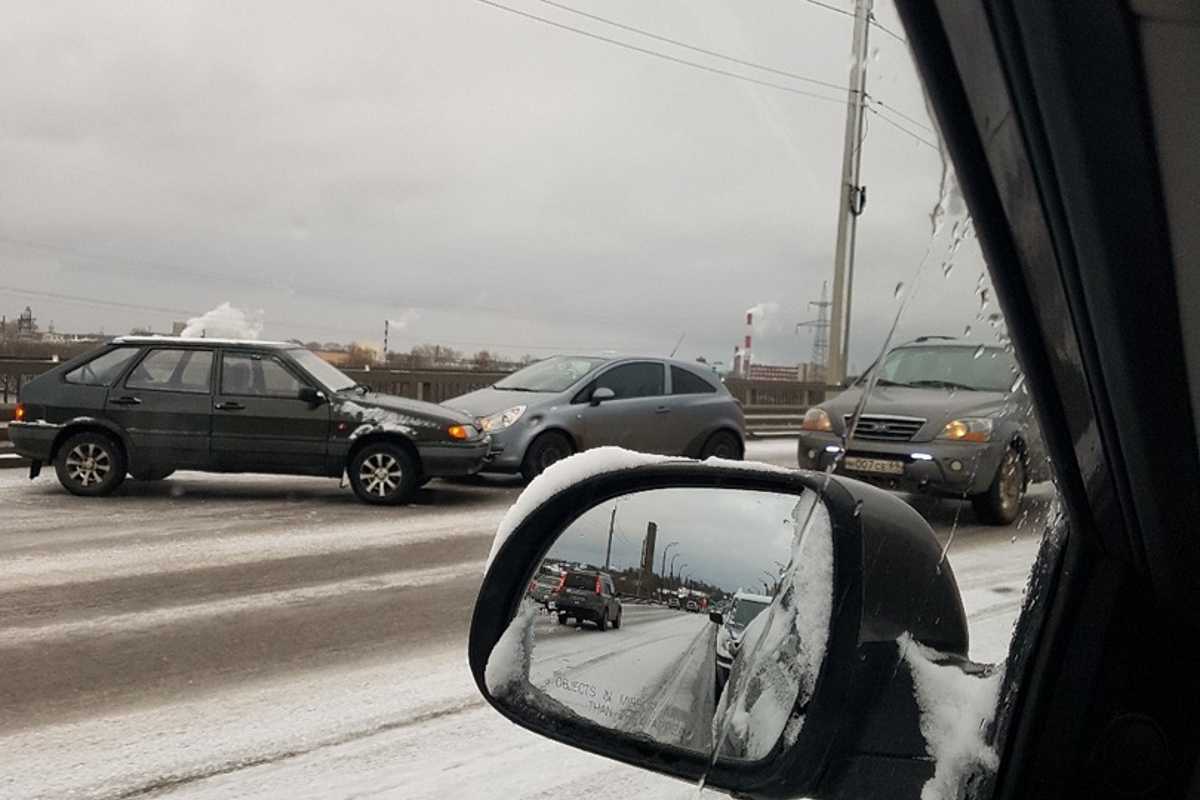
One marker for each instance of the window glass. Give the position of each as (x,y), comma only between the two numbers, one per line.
(640,379)
(173,370)
(685,382)
(103,370)
(256,374)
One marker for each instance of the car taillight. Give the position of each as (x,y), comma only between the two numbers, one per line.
(598,585)
(19,412)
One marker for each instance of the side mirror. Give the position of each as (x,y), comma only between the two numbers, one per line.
(601,394)
(314,397)
(815,696)
(717,617)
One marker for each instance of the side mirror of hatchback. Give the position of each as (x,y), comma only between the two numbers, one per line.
(601,394)
(314,397)
(816,697)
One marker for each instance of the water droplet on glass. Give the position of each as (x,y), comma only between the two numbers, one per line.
(979,351)
(967,331)
(984,297)
(995,320)
(1014,540)
(1020,381)
(947,268)
(899,289)
(858,508)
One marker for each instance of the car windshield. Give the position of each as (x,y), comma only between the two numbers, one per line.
(745,610)
(328,375)
(552,375)
(984,369)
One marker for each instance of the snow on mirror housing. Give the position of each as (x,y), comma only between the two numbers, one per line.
(807,694)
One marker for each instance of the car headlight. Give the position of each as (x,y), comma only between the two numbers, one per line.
(501,419)
(815,419)
(968,429)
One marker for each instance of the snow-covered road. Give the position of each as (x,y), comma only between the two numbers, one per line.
(216,637)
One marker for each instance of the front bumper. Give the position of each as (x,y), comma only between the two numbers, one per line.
(450,460)
(954,469)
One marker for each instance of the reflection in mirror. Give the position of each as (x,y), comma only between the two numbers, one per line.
(695,617)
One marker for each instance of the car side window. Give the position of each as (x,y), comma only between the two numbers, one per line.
(639,379)
(103,370)
(257,374)
(685,382)
(173,370)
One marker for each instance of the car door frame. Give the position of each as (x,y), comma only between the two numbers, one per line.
(1096,698)
(163,426)
(270,432)
(607,422)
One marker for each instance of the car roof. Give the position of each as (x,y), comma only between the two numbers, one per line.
(196,341)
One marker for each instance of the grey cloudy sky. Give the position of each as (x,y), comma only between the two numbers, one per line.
(473,171)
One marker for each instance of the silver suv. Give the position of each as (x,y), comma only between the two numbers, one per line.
(944,416)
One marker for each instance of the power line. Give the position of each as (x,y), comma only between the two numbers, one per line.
(871,19)
(904,130)
(656,54)
(319,292)
(694,48)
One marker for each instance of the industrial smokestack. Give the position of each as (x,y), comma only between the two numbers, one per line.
(746,347)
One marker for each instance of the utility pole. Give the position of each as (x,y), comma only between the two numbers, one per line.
(852,198)
(612,523)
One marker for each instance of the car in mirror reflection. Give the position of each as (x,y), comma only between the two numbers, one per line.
(742,610)
(586,594)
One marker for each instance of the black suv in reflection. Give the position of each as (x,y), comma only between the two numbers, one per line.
(151,405)
(943,416)
(586,595)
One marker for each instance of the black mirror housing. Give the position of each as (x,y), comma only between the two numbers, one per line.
(860,719)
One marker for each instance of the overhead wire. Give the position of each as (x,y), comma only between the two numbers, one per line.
(657,54)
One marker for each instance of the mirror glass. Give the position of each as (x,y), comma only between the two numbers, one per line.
(694,617)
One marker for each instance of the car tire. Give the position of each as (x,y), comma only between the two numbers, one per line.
(603,621)
(722,444)
(546,449)
(562,619)
(90,464)
(616,623)
(383,473)
(1002,500)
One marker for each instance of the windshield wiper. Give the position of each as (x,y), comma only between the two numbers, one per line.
(886,382)
(943,385)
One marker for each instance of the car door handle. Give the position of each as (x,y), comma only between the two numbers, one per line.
(229,406)
(125,401)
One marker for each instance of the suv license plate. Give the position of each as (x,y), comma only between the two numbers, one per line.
(880,465)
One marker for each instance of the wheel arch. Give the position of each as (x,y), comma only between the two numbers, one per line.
(388,437)
(91,425)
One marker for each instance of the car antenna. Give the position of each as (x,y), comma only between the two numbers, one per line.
(678,343)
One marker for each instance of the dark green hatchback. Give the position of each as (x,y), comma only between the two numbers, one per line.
(148,406)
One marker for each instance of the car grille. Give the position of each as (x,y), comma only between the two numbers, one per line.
(873,428)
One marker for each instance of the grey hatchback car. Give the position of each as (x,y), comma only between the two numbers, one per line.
(564,404)
(943,416)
